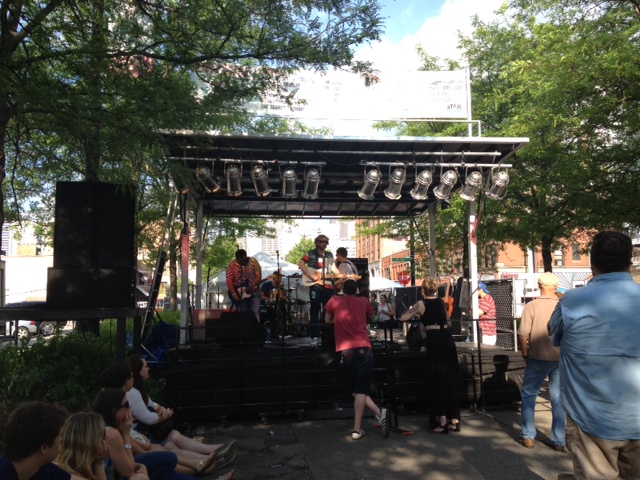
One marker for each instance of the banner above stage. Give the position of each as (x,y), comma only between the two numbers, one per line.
(397,95)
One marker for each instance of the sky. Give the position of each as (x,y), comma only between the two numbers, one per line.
(432,23)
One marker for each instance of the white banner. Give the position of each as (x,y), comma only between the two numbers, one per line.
(342,95)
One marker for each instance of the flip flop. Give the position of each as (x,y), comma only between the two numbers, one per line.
(226,450)
(228,475)
(203,466)
(223,462)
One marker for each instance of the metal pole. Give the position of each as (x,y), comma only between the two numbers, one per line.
(432,240)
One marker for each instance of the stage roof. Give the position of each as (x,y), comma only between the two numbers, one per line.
(341,161)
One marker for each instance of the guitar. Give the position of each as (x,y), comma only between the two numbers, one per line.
(310,282)
(242,293)
(449,301)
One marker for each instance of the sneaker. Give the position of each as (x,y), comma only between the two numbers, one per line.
(384,422)
(560,448)
(357,435)
(314,341)
(526,442)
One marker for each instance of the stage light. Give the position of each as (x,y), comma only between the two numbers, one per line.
(204,175)
(234,181)
(311,184)
(420,190)
(396,181)
(289,181)
(472,184)
(497,185)
(371,180)
(447,182)
(260,179)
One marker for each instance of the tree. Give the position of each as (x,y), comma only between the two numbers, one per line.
(299,250)
(88,84)
(570,83)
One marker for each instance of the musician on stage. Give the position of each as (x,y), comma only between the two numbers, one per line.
(316,265)
(270,288)
(243,281)
(345,267)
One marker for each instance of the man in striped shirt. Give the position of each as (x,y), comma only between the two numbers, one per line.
(487,310)
(243,280)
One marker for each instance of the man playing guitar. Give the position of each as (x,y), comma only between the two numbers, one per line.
(243,281)
(345,267)
(319,260)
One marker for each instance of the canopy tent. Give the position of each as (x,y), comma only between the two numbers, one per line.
(382,283)
(297,176)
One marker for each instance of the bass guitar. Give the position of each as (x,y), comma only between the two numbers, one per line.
(242,293)
(310,282)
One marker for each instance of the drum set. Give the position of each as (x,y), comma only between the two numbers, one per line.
(286,312)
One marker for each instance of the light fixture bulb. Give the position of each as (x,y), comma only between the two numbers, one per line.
(289,181)
(497,188)
(311,184)
(472,184)
(210,184)
(447,182)
(260,179)
(371,180)
(396,182)
(420,190)
(234,181)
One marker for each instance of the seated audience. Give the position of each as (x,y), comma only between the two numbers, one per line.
(83,447)
(32,441)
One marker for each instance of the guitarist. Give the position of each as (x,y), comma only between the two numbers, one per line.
(319,294)
(243,281)
(345,267)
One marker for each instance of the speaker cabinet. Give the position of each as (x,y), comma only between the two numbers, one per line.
(94,246)
(235,329)
(405,297)
(202,322)
(362,264)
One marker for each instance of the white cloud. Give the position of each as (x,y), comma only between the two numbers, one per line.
(438,35)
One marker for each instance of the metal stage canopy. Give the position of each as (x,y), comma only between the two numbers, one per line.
(340,161)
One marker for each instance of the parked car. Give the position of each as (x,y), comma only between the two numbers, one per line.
(25,329)
(45,327)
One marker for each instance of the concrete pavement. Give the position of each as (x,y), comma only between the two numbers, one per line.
(305,449)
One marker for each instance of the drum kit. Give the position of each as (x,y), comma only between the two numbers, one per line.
(288,306)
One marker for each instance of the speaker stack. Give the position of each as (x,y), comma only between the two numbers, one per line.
(94,262)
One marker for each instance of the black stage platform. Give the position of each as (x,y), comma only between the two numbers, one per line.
(206,382)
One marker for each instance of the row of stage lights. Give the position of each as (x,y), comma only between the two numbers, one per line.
(496,187)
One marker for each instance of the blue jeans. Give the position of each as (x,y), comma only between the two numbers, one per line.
(161,465)
(319,296)
(535,374)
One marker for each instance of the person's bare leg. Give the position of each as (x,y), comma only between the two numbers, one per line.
(359,402)
(186,443)
(371,405)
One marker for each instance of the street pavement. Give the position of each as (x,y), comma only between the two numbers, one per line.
(322,449)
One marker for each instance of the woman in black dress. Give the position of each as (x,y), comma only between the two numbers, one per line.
(443,373)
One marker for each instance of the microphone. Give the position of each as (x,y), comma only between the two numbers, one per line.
(277,252)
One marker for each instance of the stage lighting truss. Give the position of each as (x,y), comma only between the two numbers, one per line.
(204,174)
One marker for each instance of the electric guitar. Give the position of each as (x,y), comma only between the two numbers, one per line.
(310,282)
(242,293)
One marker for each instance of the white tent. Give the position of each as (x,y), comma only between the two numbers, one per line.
(382,283)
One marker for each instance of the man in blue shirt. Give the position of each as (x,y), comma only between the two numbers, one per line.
(32,443)
(597,328)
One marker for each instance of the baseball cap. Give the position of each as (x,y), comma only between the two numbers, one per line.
(548,279)
(483,287)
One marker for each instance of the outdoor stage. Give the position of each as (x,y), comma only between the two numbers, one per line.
(208,382)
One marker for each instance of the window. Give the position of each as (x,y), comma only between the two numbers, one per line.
(576,254)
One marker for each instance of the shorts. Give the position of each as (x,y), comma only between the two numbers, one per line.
(357,371)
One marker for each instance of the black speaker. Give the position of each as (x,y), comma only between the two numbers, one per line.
(94,246)
(236,329)
(94,226)
(502,293)
(362,264)
(405,297)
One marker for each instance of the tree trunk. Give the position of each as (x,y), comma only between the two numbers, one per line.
(173,272)
(547,254)
(6,114)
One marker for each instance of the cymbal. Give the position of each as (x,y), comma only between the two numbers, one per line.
(294,275)
(291,288)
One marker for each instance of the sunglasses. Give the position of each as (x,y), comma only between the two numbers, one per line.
(323,241)
(124,405)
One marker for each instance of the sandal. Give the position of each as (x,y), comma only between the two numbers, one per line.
(223,462)
(442,429)
(226,450)
(454,427)
(205,464)
(228,475)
